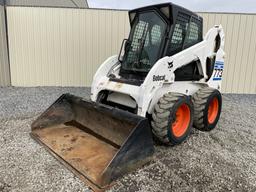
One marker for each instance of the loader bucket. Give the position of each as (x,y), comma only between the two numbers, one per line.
(96,142)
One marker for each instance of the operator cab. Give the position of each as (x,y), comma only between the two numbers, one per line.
(156,31)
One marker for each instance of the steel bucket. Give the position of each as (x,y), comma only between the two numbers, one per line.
(96,142)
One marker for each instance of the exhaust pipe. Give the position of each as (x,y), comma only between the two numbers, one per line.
(96,142)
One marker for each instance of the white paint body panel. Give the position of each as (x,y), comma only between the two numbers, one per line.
(147,94)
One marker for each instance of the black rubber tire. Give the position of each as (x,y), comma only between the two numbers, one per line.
(164,115)
(201,100)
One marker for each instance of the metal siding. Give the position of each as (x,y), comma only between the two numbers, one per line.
(240,48)
(64,47)
(250,82)
(4,63)
(49,3)
(61,47)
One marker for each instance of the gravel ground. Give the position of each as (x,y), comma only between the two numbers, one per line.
(222,160)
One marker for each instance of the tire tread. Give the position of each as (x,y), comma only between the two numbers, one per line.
(199,100)
(161,116)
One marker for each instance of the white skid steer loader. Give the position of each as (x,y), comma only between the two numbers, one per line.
(166,79)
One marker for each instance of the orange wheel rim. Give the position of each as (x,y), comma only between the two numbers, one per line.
(213,110)
(182,120)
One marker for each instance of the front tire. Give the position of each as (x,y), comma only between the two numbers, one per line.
(207,104)
(172,118)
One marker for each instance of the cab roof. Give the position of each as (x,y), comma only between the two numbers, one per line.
(173,7)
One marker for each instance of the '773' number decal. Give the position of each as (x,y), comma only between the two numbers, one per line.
(218,70)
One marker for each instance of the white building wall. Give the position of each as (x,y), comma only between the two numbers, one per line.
(4,63)
(64,47)
(49,3)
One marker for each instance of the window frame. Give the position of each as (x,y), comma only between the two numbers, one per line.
(173,31)
(200,32)
(162,44)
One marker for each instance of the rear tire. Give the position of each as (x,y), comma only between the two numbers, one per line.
(207,105)
(172,118)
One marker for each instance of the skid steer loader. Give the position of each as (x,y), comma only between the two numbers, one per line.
(165,79)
